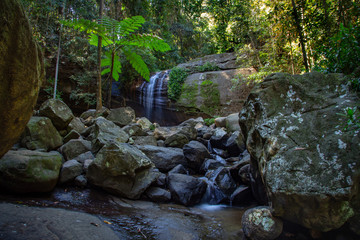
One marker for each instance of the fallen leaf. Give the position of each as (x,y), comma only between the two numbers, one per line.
(107,222)
(95,224)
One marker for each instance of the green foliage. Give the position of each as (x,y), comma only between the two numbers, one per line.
(210,93)
(49,89)
(352,118)
(177,77)
(83,94)
(209,121)
(342,54)
(208,66)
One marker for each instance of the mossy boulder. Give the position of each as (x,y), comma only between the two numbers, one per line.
(58,112)
(26,171)
(294,134)
(21,72)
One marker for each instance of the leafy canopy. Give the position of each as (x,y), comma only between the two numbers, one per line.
(120,37)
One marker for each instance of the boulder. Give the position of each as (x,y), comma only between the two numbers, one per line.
(145,140)
(185,189)
(71,135)
(104,132)
(179,169)
(122,169)
(144,123)
(210,164)
(70,170)
(259,224)
(41,134)
(195,154)
(223,180)
(235,144)
(178,140)
(220,122)
(244,174)
(157,194)
(58,112)
(295,137)
(104,112)
(76,125)
(80,181)
(219,139)
(189,130)
(74,148)
(30,171)
(122,116)
(134,129)
(232,122)
(164,159)
(223,61)
(241,196)
(21,73)
(84,156)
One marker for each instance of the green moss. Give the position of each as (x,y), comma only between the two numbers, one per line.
(211,97)
(189,93)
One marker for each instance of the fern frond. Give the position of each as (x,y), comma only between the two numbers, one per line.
(145,40)
(138,63)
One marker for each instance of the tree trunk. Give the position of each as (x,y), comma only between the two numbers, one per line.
(301,36)
(99,84)
(110,80)
(58,54)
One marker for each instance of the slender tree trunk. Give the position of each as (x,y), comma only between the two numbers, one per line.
(58,54)
(291,57)
(110,80)
(99,84)
(301,36)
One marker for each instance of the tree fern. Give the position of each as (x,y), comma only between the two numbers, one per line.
(137,63)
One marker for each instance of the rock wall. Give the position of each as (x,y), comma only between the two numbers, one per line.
(308,163)
(21,71)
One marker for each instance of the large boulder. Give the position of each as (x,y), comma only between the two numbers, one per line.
(295,137)
(164,158)
(75,147)
(40,133)
(186,189)
(122,169)
(195,154)
(58,112)
(30,171)
(104,132)
(21,72)
(122,116)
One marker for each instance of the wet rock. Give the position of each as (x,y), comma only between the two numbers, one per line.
(178,140)
(220,152)
(70,170)
(58,112)
(122,169)
(41,134)
(185,189)
(219,139)
(259,224)
(30,171)
(244,173)
(242,195)
(213,195)
(179,169)
(144,123)
(74,148)
(21,73)
(232,122)
(145,140)
(164,159)
(157,194)
(134,129)
(80,181)
(205,132)
(71,135)
(195,154)
(104,132)
(220,122)
(283,120)
(161,180)
(235,144)
(222,178)
(76,124)
(210,164)
(122,116)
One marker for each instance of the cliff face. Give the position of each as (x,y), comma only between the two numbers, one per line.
(21,72)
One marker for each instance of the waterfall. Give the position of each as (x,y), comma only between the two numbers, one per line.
(152,94)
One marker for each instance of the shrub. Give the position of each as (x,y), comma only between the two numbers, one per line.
(177,77)
(207,67)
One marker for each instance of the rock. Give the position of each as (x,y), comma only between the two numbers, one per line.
(84,156)
(219,139)
(157,194)
(259,224)
(185,189)
(223,180)
(160,143)
(145,140)
(74,148)
(220,152)
(244,173)
(70,170)
(80,181)
(104,132)
(122,169)
(308,163)
(241,195)
(87,163)
(160,181)
(235,144)
(58,112)
(41,134)
(220,122)
(210,164)
(205,132)
(232,122)
(76,125)
(134,129)
(122,116)
(21,73)
(144,123)
(210,92)
(179,169)
(195,154)
(189,130)
(178,140)
(104,112)
(164,159)
(223,61)
(30,171)
(71,135)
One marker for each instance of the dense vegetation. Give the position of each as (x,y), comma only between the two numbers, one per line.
(291,36)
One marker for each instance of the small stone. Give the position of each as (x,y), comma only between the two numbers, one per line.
(80,181)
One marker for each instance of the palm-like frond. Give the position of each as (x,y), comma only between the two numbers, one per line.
(145,40)
(138,63)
